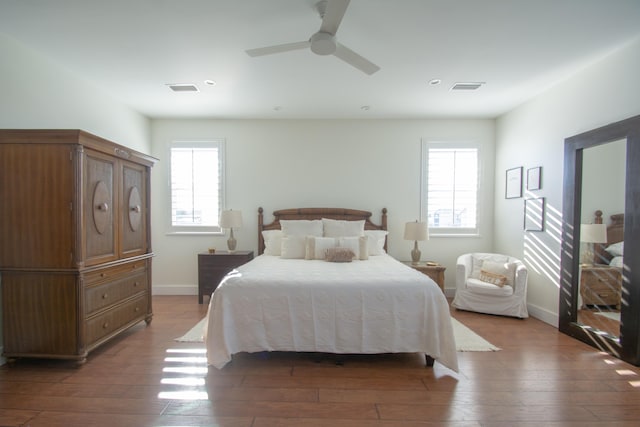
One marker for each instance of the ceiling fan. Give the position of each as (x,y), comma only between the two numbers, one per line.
(324,42)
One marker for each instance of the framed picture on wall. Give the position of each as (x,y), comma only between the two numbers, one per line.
(534,214)
(513,187)
(534,181)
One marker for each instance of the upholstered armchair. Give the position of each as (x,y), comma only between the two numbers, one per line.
(491,283)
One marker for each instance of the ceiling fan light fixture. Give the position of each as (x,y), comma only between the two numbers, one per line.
(323,43)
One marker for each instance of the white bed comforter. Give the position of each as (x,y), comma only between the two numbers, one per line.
(363,307)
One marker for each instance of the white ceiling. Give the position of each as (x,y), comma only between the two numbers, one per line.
(133,48)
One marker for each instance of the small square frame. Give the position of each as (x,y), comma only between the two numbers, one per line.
(513,185)
(534,178)
(534,214)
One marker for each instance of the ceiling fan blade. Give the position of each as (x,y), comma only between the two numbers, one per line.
(335,10)
(269,50)
(355,60)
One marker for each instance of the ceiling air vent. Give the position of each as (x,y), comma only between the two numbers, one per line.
(183,87)
(467,86)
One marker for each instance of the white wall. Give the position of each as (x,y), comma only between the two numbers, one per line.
(278,164)
(533,135)
(38,93)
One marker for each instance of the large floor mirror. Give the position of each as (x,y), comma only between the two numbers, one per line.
(600,270)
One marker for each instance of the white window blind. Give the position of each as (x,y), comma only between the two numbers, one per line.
(196,185)
(450,171)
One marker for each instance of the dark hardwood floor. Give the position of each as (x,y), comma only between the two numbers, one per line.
(145,378)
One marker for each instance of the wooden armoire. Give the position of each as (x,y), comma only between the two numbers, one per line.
(75,243)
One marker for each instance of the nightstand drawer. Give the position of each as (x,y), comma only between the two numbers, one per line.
(601,286)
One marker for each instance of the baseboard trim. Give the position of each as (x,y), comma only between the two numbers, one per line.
(174,290)
(544,315)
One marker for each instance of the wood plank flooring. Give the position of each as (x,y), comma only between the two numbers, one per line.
(145,378)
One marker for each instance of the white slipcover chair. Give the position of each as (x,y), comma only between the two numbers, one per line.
(472,294)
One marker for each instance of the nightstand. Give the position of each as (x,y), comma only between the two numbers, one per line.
(212,267)
(600,285)
(436,272)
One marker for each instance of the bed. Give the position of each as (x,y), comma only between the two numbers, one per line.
(372,304)
(601,280)
(610,253)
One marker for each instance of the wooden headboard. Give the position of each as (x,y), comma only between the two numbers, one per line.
(318,213)
(615,234)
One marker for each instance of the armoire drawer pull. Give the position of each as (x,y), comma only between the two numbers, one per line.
(105,325)
(105,296)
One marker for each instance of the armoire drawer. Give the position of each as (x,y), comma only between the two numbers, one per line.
(110,321)
(112,273)
(106,294)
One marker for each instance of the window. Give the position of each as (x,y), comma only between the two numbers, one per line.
(450,187)
(196,186)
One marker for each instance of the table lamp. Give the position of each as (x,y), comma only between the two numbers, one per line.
(416,231)
(231,219)
(592,234)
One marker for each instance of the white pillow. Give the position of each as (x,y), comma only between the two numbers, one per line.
(358,245)
(342,228)
(301,227)
(507,269)
(272,242)
(293,247)
(316,247)
(616,261)
(616,249)
(376,240)
(477,260)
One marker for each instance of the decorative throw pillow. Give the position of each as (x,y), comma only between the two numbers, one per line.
(339,255)
(507,269)
(342,228)
(376,241)
(272,242)
(478,259)
(316,247)
(493,278)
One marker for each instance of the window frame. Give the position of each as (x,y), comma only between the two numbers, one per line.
(424,187)
(220,144)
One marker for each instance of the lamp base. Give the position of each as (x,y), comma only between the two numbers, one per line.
(231,242)
(415,253)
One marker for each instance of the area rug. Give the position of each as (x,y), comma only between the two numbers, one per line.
(466,339)
(609,315)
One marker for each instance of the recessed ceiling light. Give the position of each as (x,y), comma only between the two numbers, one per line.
(183,87)
(210,82)
(435,82)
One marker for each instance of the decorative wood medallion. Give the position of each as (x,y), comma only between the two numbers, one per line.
(101,215)
(135,211)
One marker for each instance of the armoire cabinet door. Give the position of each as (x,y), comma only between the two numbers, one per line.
(100,207)
(133,212)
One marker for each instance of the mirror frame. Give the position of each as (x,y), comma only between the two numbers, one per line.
(627,346)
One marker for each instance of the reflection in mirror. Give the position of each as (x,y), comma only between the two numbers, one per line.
(601,234)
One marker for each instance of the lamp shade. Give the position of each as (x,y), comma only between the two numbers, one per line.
(231,219)
(416,231)
(593,233)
